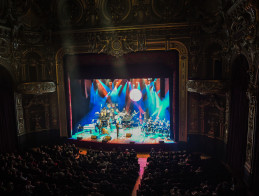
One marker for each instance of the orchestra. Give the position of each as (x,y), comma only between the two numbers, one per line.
(111,118)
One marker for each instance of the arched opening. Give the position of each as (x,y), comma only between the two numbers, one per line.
(95,77)
(8,136)
(237,138)
(183,72)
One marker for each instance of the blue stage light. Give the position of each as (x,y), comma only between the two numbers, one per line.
(135,95)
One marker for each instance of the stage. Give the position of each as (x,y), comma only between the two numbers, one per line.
(133,135)
(113,112)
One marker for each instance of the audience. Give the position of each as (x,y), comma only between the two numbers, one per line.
(62,170)
(183,174)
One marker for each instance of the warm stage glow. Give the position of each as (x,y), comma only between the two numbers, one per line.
(135,95)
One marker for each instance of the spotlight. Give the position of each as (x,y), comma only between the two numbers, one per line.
(135,95)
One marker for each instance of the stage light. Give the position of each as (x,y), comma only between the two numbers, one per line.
(135,95)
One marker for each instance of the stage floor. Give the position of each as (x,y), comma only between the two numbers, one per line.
(137,136)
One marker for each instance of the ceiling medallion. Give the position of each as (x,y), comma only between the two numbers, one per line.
(116,11)
(116,45)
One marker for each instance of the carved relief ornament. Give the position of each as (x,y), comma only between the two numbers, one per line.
(207,86)
(36,88)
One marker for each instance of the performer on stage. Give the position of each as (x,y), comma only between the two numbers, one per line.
(100,127)
(97,125)
(79,128)
(117,127)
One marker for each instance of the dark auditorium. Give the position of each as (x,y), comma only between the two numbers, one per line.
(129,97)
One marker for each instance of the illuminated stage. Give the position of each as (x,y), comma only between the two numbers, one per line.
(139,96)
(126,136)
(135,108)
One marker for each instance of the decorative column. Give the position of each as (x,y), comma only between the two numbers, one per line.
(19,114)
(61,93)
(227,117)
(251,94)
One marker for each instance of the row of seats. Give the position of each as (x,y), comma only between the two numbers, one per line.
(184,174)
(62,170)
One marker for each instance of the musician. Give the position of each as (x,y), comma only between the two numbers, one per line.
(117,127)
(116,111)
(109,123)
(103,112)
(100,127)
(119,119)
(124,110)
(113,106)
(97,125)
(79,128)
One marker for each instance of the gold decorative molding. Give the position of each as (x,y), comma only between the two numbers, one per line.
(19,114)
(166,45)
(207,86)
(251,95)
(36,88)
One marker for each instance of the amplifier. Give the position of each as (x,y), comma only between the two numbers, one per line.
(107,137)
(128,134)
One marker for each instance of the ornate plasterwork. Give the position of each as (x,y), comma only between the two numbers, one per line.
(167,10)
(118,45)
(116,11)
(19,114)
(70,11)
(207,86)
(242,16)
(36,88)
(251,95)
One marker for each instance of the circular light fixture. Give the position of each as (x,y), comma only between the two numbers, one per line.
(135,95)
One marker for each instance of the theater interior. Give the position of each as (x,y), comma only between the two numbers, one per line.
(129,97)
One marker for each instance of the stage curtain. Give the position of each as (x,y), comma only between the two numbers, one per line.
(236,147)
(255,177)
(8,136)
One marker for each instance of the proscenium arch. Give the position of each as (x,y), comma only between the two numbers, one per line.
(183,76)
